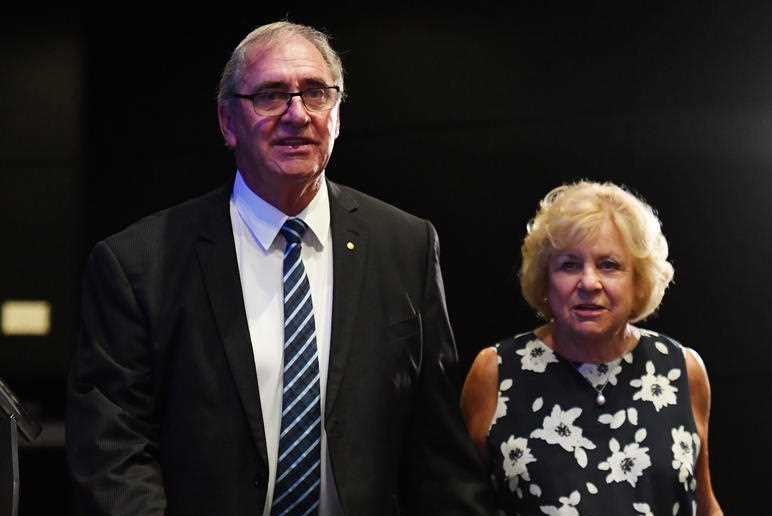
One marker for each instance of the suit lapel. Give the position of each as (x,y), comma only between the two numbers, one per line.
(349,241)
(217,256)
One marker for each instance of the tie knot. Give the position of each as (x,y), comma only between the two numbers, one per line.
(293,230)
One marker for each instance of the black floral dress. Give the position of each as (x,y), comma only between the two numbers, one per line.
(572,439)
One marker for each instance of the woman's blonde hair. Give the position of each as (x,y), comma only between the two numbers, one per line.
(569,214)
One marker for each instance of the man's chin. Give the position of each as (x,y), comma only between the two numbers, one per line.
(300,167)
(299,174)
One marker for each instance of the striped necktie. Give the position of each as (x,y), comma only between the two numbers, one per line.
(296,491)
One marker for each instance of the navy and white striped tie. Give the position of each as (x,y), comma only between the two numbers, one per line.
(296,491)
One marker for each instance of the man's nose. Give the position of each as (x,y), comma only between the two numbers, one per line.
(296,111)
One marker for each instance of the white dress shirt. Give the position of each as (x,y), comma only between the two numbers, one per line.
(260,254)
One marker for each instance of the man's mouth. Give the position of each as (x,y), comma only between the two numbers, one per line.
(293,142)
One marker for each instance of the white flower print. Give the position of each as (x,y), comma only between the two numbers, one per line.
(647,333)
(536,355)
(655,387)
(661,348)
(682,448)
(685,449)
(501,407)
(501,403)
(559,428)
(643,509)
(600,374)
(613,420)
(625,464)
(517,456)
(567,509)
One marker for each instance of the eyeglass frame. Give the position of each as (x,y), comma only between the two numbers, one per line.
(290,96)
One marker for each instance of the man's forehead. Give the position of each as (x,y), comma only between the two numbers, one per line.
(289,59)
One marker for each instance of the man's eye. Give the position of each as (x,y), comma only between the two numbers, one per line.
(314,94)
(270,96)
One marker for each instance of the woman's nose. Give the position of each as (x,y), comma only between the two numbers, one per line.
(590,280)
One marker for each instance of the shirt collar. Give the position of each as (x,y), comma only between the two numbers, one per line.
(265,220)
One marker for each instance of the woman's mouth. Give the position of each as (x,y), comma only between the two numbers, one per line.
(588,309)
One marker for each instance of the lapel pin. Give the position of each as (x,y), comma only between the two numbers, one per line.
(350,246)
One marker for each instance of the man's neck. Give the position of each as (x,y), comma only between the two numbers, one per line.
(290,199)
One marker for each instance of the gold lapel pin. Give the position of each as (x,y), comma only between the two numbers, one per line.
(350,246)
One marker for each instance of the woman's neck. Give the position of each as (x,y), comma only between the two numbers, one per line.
(594,350)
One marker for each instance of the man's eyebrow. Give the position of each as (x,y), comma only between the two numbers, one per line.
(271,85)
(314,81)
(281,85)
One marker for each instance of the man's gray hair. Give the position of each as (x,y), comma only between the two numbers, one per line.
(266,36)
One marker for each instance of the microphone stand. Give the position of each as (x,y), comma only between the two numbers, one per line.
(13,419)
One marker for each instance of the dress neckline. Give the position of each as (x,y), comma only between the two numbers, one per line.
(598,376)
(641,334)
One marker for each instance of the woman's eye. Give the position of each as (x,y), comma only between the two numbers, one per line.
(568,266)
(610,265)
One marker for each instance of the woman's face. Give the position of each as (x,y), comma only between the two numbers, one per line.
(591,286)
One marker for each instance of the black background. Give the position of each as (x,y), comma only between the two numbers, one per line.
(466,117)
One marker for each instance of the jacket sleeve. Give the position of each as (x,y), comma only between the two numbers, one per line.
(445,473)
(112,413)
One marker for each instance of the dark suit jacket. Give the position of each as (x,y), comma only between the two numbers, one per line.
(163,412)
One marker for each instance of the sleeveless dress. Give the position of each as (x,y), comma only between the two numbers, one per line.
(557,450)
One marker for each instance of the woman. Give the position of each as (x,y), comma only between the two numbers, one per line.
(589,415)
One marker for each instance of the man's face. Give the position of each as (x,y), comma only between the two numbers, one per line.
(287,150)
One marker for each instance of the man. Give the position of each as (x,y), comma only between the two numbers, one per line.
(277,346)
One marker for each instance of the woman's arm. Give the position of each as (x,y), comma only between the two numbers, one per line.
(699,388)
(479,397)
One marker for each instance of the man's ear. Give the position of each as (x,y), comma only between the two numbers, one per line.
(225,117)
(337,123)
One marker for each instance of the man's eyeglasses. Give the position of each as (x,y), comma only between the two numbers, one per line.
(274,103)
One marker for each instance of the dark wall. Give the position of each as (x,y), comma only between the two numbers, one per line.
(464,117)
(41,174)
